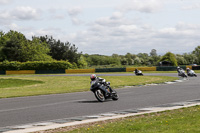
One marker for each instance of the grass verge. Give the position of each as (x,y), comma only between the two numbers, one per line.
(68,84)
(7,83)
(185,120)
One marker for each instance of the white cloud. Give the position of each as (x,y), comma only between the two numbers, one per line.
(50,31)
(4,15)
(56,13)
(147,6)
(20,13)
(3,2)
(120,36)
(73,13)
(13,26)
(25,13)
(191,7)
(116,19)
(117,15)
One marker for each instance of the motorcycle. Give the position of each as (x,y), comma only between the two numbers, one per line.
(191,73)
(138,72)
(103,91)
(181,73)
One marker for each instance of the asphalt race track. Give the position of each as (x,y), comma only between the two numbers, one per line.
(25,110)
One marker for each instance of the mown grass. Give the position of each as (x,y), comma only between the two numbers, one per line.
(67,84)
(6,83)
(185,120)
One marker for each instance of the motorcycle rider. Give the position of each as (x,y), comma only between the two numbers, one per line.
(191,72)
(181,72)
(178,68)
(136,71)
(94,78)
(188,69)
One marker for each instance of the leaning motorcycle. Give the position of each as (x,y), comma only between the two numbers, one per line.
(191,73)
(103,91)
(181,73)
(138,73)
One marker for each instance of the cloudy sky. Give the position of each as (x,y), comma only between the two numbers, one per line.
(108,26)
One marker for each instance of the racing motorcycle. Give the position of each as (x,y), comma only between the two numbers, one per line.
(181,73)
(138,72)
(191,73)
(103,91)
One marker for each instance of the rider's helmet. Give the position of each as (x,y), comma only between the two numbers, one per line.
(188,69)
(93,77)
(178,67)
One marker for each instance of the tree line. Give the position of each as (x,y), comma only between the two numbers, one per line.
(14,46)
(144,59)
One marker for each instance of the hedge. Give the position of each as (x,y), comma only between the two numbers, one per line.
(196,67)
(2,72)
(110,70)
(168,68)
(131,69)
(80,71)
(35,65)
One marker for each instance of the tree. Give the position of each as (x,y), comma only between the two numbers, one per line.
(137,61)
(2,45)
(154,57)
(144,58)
(181,60)
(170,57)
(190,58)
(18,48)
(82,62)
(124,61)
(60,50)
(13,44)
(153,53)
(197,53)
(35,50)
(129,59)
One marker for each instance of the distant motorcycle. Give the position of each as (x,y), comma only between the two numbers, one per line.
(181,73)
(103,91)
(191,73)
(138,72)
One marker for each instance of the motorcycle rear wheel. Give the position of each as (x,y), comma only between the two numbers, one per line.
(99,95)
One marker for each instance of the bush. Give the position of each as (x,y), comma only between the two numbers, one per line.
(170,57)
(35,65)
(13,65)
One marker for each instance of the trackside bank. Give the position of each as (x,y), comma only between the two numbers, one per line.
(97,70)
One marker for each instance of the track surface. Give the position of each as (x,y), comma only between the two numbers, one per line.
(20,111)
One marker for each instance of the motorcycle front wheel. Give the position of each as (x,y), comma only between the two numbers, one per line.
(99,95)
(115,96)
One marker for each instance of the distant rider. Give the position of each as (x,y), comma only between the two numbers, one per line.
(188,70)
(136,71)
(178,69)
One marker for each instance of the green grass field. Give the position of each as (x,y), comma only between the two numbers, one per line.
(7,83)
(185,120)
(19,86)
